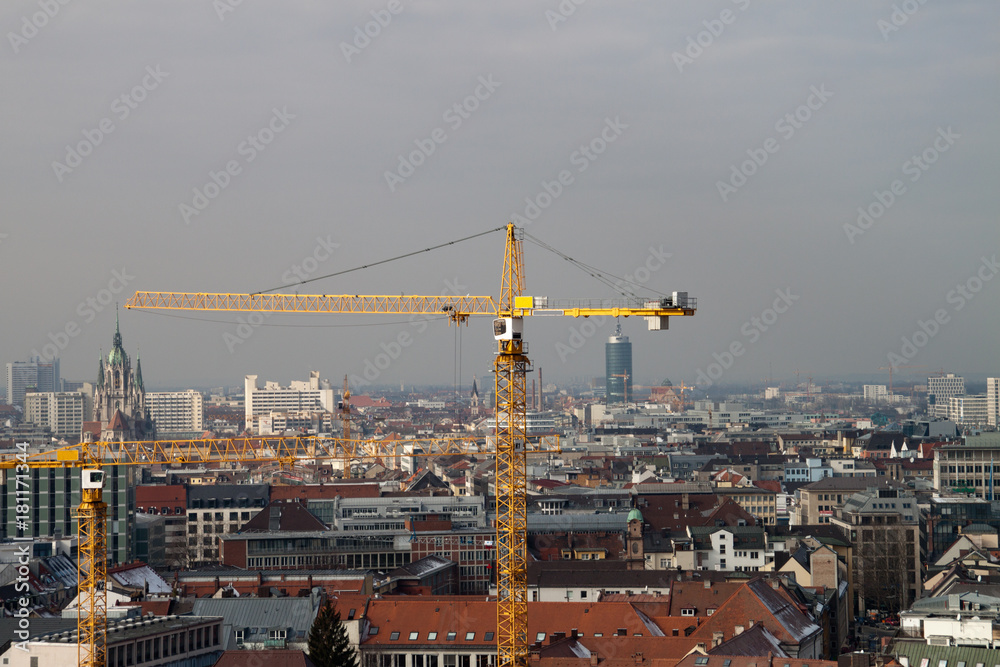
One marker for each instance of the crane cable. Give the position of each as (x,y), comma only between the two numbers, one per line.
(383,261)
(616,283)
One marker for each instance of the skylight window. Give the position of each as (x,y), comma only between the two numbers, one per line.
(413,636)
(431,636)
(540,637)
(489,638)
(373,630)
(469,636)
(451,636)
(395,635)
(701,660)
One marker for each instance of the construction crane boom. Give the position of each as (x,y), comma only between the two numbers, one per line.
(511,365)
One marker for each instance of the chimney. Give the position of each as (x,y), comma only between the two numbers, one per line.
(708,583)
(574,633)
(593,658)
(685,501)
(638,658)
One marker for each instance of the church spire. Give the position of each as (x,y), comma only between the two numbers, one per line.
(117,340)
(100,370)
(138,372)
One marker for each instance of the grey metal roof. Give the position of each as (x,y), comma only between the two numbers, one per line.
(605,521)
(257,615)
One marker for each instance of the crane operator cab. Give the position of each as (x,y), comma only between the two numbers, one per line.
(507,328)
(92,479)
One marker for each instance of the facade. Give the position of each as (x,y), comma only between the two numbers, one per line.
(887,565)
(62,412)
(214,510)
(993,401)
(618,369)
(969,467)
(875,393)
(176,411)
(165,641)
(939,390)
(311,395)
(821,501)
(120,398)
(55,499)
(22,375)
(968,410)
(169,502)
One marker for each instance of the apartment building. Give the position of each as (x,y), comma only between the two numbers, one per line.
(176,412)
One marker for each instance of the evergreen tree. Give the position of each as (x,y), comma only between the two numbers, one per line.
(328,642)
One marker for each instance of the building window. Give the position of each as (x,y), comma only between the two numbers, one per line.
(373,630)
(451,636)
(488,637)
(393,636)
(540,637)
(413,636)
(469,636)
(432,636)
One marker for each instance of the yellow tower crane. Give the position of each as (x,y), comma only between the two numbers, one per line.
(91,457)
(510,365)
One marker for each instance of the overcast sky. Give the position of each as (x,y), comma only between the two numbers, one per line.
(720,148)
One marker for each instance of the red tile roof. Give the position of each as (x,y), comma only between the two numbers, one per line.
(270,657)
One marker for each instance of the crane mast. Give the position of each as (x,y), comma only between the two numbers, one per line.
(511,367)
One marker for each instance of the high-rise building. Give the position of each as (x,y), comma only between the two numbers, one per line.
(63,412)
(939,390)
(618,368)
(307,396)
(176,411)
(35,374)
(969,409)
(993,401)
(875,393)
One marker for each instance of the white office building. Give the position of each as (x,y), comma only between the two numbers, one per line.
(967,409)
(62,412)
(993,401)
(876,393)
(939,390)
(176,411)
(311,395)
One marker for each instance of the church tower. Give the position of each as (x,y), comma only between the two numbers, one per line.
(120,398)
(634,552)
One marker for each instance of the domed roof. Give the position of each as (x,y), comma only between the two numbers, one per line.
(634,515)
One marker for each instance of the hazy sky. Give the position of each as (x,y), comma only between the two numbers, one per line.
(720,148)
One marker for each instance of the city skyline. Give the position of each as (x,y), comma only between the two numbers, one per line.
(819,178)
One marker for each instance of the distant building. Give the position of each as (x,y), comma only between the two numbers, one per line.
(939,390)
(176,411)
(38,375)
(876,393)
(307,396)
(62,412)
(968,410)
(993,401)
(618,369)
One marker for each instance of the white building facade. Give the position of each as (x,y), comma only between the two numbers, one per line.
(176,411)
